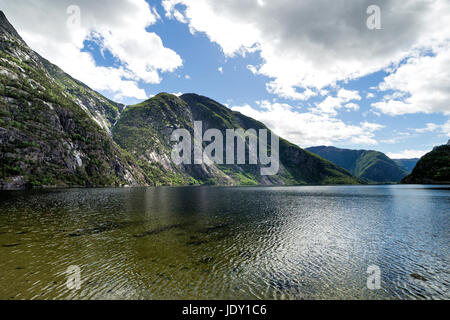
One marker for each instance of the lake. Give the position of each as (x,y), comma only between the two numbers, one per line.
(306,242)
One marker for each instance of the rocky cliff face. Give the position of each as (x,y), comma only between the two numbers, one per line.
(432,168)
(47,137)
(56,131)
(102,110)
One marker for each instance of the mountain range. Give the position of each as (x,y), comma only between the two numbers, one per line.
(368,165)
(56,131)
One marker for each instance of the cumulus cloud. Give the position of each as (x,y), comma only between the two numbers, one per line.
(433,127)
(421,84)
(407,154)
(330,104)
(446,128)
(397,137)
(308,128)
(57,30)
(311,44)
(430,127)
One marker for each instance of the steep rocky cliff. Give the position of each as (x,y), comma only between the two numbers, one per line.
(47,136)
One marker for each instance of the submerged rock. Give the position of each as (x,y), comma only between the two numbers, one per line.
(159,230)
(10,245)
(418,276)
(103,227)
(195,242)
(206,260)
(214,228)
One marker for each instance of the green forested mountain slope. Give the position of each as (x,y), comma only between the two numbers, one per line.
(432,168)
(144,131)
(373,166)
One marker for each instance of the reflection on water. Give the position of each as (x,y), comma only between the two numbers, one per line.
(226,243)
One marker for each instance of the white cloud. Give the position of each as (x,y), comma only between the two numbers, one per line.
(446,128)
(235,37)
(117,26)
(433,127)
(347,95)
(220,69)
(330,104)
(311,44)
(397,137)
(351,106)
(430,127)
(307,128)
(370,95)
(371,126)
(407,154)
(390,141)
(289,92)
(421,84)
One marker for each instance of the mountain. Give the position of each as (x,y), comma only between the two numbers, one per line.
(144,130)
(432,168)
(406,164)
(102,110)
(49,134)
(372,166)
(56,131)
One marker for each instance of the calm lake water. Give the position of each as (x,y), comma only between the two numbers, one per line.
(311,242)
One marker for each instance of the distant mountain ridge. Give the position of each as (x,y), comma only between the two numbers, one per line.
(372,166)
(56,131)
(406,164)
(432,168)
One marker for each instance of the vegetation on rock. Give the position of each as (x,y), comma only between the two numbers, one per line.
(432,168)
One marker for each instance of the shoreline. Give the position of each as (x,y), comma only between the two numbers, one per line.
(41,188)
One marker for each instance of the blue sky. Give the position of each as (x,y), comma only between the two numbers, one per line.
(369,89)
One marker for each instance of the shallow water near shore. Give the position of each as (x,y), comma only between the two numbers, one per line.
(306,242)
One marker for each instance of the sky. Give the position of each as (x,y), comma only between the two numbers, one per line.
(352,74)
